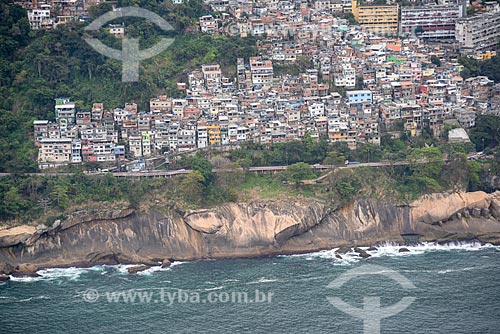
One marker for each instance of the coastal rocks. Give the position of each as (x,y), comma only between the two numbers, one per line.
(364,255)
(485,213)
(166,263)
(425,209)
(476,212)
(372,249)
(15,235)
(4,277)
(137,269)
(252,229)
(495,208)
(25,270)
(6,268)
(85,217)
(205,221)
(403,250)
(343,250)
(361,253)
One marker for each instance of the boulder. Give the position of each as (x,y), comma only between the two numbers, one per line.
(343,250)
(26,269)
(372,249)
(440,207)
(136,269)
(359,250)
(403,250)
(204,221)
(459,215)
(165,263)
(41,228)
(485,213)
(495,208)
(4,278)
(364,255)
(6,268)
(466,214)
(476,212)
(338,256)
(56,224)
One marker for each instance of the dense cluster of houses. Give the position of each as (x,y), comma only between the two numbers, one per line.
(308,20)
(316,75)
(402,90)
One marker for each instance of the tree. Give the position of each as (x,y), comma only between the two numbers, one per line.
(59,193)
(193,187)
(426,165)
(334,158)
(299,171)
(359,82)
(244,163)
(486,133)
(436,61)
(12,203)
(204,167)
(350,18)
(230,179)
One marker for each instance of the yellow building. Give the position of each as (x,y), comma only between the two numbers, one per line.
(213,132)
(381,19)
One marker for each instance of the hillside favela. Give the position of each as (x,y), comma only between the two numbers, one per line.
(250,166)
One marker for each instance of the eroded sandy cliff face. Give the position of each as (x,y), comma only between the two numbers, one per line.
(251,229)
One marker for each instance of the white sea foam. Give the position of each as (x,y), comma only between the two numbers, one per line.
(4,299)
(25,279)
(392,250)
(214,288)
(71,273)
(389,249)
(264,280)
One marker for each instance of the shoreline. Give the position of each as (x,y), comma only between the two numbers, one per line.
(422,246)
(250,230)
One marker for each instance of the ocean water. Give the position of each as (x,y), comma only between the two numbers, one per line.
(456,289)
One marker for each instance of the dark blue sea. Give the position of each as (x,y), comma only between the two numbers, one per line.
(451,289)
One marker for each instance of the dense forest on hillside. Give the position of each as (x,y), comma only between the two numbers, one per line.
(38,66)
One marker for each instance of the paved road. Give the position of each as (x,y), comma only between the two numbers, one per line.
(187,171)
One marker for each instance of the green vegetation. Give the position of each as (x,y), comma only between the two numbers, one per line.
(436,61)
(486,133)
(473,68)
(38,66)
(299,171)
(28,197)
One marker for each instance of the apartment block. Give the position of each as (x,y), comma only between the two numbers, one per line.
(431,21)
(478,32)
(65,109)
(40,19)
(261,70)
(381,19)
(54,151)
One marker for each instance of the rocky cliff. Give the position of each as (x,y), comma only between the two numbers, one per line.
(247,229)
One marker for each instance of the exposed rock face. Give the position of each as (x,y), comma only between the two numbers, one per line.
(136,269)
(440,207)
(247,229)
